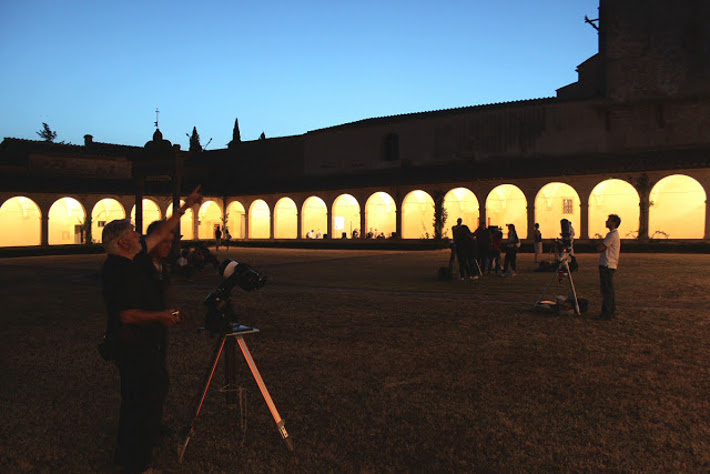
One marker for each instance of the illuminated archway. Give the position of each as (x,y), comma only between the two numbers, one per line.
(315,216)
(677,208)
(151,213)
(186,222)
(506,204)
(236,220)
(346,216)
(66,221)
(614,196)
(460,203)
(285,219)
(209,217)
(554,202)
(21,221)
(259,220)
(417,216)
(105,211)
(380,214)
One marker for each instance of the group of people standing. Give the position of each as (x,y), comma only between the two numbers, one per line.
(479,252)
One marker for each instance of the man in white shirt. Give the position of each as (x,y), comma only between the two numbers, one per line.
(608,262)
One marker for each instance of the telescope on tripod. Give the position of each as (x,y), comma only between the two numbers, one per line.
(222,320)
(564,257)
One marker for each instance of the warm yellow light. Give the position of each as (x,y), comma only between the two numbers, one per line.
(346,216)
(506,204)
(677,208)
(20,219)
(315,216)
(554,202)
(614,196)
(236,220)
(259,220)
(380,214)
(105,211)
(460,203)
(210,216)
(418,216)
(66,218)
(285,219)
(151,213)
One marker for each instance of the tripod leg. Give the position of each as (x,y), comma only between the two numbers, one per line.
(265,393)
(190,429)
(544,291)
(574,291)
(230,371)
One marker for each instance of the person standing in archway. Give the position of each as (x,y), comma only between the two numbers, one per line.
(463,242)
(537,243)
(217,237)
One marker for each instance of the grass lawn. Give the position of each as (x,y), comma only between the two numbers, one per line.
(377,366)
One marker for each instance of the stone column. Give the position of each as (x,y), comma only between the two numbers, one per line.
(299,224)
(140,182)
(583,218)
(44,229)
(362,224)
(87,227)
(530,211)
(644,208)
(707,220)
(329,226)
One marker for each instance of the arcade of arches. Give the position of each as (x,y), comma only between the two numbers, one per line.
(674,207)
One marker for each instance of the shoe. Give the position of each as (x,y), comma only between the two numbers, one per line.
(473,278)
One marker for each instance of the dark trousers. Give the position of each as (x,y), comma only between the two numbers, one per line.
(144,386)
(464,259)
(511,257)
(606,282)
(482,258)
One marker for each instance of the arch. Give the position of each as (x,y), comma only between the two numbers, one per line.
(236,220)
(461,203)
(151,213)
(66,222)
(346,215)
(21,221)
(285,219)
(556,201)
(186,221)
(209,217)
(677,208)
(259,220)
(314,216)
(614,196)
(418,215)
(105,211)
(380,214)
(506,204)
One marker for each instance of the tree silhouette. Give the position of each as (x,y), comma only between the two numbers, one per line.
(195,145)
(46,133)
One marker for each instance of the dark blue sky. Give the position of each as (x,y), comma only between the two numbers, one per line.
(281,67)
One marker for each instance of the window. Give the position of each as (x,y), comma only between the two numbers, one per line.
(567,206)
(392,147)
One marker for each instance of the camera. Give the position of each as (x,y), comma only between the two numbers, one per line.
(220,316)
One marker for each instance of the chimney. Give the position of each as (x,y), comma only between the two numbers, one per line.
(88,139)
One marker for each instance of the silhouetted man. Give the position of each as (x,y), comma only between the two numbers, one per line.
(137,319)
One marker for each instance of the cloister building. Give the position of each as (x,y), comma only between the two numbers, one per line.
(631,137)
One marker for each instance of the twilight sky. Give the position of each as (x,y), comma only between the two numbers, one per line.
(282,67)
